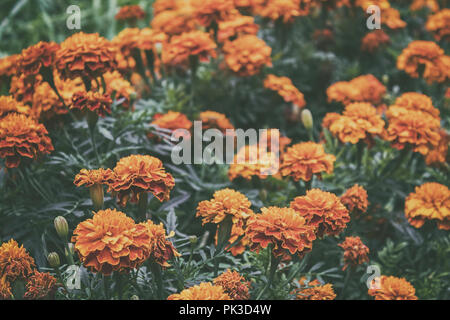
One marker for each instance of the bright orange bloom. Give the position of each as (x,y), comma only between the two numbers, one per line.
(88,178)
(287,231)
(140,173)
(8,65)
(355,253)
(92,100)
(237,25)
(40,285)
(355,199)
(203,291)
(285,10)
(391,18)
(45,103)
(430,201)
(439,25)
(189,44)
(365,88)
(21,136)
(234,285)
(15,262)
(9,105)
(251,161)
(420,4)
(374,40)
(207,12)
(132,12)
(438,155)
(111,241)
(176,21)
(5,288)
(246,55)
(428,55)
(163,5)
(413,101)
(215,120)
(316,291)
(393,288)
(117,86)
(37,57)
(85,55)
(161,249)
(172,121)
(322,210)
(286,89)
(304,159)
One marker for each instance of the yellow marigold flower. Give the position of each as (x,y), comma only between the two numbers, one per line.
(5,288)
(287,231)
(322,210)
(15,262)
(285,10)
(176,21)
(412,101)
(140,173)
(286,89)
(189,44)
(8,65)
(37,57)
(203,291)
(132,12)
(316,291)
(234,285)
(215,120)
(207,12)
(438,154)
(111,241)
(237,25)
(172,121)
(93,101)
(428,55)
(246,55)
(22,137)
(355,252)
(85,55)
(161,249)
(41,285)
(416,5)
(355,199)
(393,288)
(88,178)
(251,161)
(10,105)
(439,24)
(430,201)
(374,40)
(304,159)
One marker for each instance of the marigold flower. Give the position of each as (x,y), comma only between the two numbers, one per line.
(234,285)
(46,103)
(118,87)
(391,18)
(355,199)
(430,201)
(5,288)
(439,24)
(189,44)
(172,121)
(93,101)
(412,101)
(85,55)
(252,161)
(36,57)
(40,285)
(237,231)
(316,291)
(161,249)
(428,55)
(438,154)
(393,288)
(10,105)
(174,22)
(8,65)
(88,178)
(304,159)
(207,12)
(140,173)
(132,12)
(285,10)
(163,5)
(15,262)
(203,291)
(215,120)
(374,40)
(420,4)
(284,228)
(286,89)
(236,26)
(322,210)
(246,55)
(111,241)
(355,252)
(21,136)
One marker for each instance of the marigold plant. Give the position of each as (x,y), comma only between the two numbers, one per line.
(355,252)
(393,288)
(203,291)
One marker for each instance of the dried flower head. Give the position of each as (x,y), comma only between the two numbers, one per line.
(355,252)
(161,248)
(355,199)
(41,285)
(203,291)
(286,89)
(15,262)
(234,285)
(393,288)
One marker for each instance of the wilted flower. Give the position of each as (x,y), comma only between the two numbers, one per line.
(439,24)
(161,249)
(233,284)
(203,291)
(393,288)
(286,89)
(15,262)
(355,199)
(40,285)
(355,252)
(374,40)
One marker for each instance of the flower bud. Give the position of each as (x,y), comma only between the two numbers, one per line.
(134,297)
(307,119)
(61,226)
(193,239)
(71,248)
(53,260)
(96,192)
(385,79)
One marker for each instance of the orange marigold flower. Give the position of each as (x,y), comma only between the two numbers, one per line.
(172,121)
(438,155)
(236,26)
(355,199)
(85,55)
(46,103)
(322,210)
(161,249)
(15,262)
(234,285)
(247,55)
(285,10)
(412,101)
(132,12)
(439,24)
(37,57)
(237,231)
(393,288)
(355,253)
(174,22)
(21,136)
(111,241)
(304,159)
(163,5)
(189,44)
(391,18)
(428,55)
(284,228)
(92,100)
(10,105)
(207,12)
(374,40)
(252,161)
(40,285)
(117,86)
(316,291)
(203,291)
(5,288)
(88,178)
(286,89)
(215,120)
(8,65)
(141,173)
(430,201)
(416,5)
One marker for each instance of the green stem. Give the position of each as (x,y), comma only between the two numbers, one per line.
(272,268)
(156,270)
(142,206)
(346,281)
(359,154)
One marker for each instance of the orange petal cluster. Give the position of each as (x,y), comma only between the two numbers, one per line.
(429,202)
(236,26)
(46,103)
(438,155)
(88,178)
(37,57)
(131,12)
(286,89)
(355,252)
(8,65)
(175,20)
(374,40)
(413,102)
(10,105)
(40,285)
(172,120)
(252,161)
(203,291)
(393,288)
(93,101)
(161,248)
(215,120)
(234,285)
(322,210)
(209,12)
(15,262)
(355,199)
(439,25)
(432,5)
(315,291)
(283,10)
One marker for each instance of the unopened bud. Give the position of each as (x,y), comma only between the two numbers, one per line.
(193,239)
(134,297)
(53,260)
(385,79)
(307,119)
(71,248)
(61,226)
(96,192)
